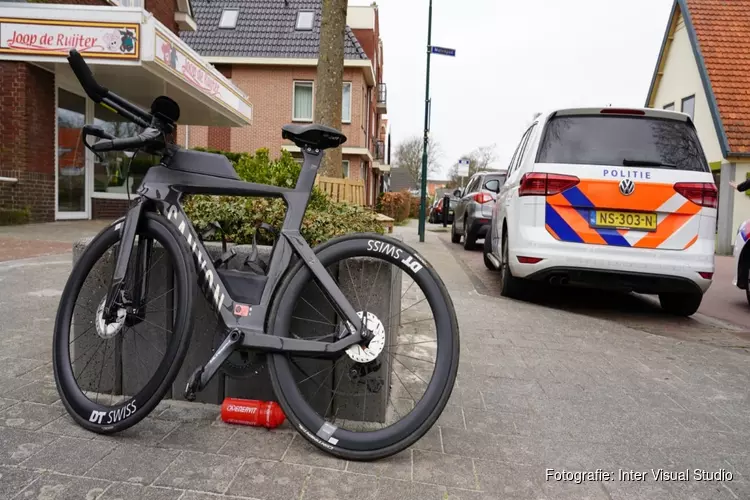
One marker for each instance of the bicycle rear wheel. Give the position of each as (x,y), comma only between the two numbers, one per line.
(110,375)
(377,399)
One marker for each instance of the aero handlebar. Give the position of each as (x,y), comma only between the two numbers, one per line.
(103,95)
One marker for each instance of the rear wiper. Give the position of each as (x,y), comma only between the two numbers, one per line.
(646,163)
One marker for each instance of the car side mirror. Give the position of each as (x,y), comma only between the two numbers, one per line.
(457,193)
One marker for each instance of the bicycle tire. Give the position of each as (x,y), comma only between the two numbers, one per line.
(136,407)
(300,413)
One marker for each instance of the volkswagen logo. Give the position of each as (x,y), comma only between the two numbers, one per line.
(627,187)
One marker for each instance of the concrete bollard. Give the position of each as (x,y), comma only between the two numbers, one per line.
(135,355)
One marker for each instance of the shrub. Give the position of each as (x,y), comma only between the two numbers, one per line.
(12,216)
(395,205)
(239,216)
(414,206)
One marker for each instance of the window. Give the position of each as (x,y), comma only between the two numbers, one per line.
(345,168)
(305,20)
(362,172)
(472,185)
(229,18)
(346,106)
(71,183)
(688,106)
(303,102)
(522,151)
(609,140)
(669,107)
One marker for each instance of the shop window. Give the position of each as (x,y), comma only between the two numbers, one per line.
(111,169)
(71,154)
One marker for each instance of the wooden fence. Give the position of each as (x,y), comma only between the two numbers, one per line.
(342,189)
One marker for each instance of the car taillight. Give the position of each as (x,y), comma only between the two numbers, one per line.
(706,276)
(704,194)
(529,260)
(483,198)
(539,184)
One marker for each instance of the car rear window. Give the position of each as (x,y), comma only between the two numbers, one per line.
(610,140)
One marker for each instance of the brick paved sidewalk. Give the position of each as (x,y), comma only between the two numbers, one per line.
(538,389)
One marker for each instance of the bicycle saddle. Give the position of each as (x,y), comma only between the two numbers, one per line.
(316,136)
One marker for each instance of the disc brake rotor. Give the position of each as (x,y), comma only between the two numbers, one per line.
(367,354)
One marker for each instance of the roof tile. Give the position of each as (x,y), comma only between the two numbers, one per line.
(723,31)
(265,28)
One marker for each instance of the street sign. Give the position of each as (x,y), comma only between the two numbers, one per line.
(443,51)
(463,168)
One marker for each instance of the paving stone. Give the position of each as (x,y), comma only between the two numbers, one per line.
(303,453)
(58,486)
(5,403)
(406,490)
(198,436)
(58,455)
(398,466)
(42,373)
(448,470)
(29,416)
(472,444)
(568,490)
(128,491)
(13,480)
(452,416)
(431,441)
(65,426)
(333,485)
(189,412)
(18,445)
(200,471)
(9,384)
(14,367)
(259,443)
(194,495)
(491,422)
(36,392)
(508,481)
(133,464)
(270,480)
(148,431)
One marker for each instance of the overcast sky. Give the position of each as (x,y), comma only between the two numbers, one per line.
(514,58)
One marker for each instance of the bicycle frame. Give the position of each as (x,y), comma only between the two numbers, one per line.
(249,319)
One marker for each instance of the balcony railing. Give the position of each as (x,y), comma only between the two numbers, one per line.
(382,98)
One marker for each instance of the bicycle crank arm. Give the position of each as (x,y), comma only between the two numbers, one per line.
(203,375)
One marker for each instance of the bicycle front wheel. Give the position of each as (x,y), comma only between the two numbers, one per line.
(112,373)
(379,398)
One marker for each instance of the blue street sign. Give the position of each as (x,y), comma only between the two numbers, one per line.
(443,51)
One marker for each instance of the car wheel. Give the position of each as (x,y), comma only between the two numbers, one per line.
(680,304)
(470,242)
(455,238)
(510,286)
(488,250)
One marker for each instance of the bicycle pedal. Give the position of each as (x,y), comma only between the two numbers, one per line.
(193,385)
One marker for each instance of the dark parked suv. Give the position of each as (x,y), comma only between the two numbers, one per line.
(473,212)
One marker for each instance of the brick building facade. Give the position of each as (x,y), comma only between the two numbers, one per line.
(269,53)
(43,165)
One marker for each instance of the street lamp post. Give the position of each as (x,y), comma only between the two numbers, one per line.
(423,194)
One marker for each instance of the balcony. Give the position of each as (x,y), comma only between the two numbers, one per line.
(382,106)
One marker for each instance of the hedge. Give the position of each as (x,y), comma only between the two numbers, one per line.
(396,205)
(239,216)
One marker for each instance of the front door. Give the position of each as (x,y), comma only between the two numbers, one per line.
(72,199)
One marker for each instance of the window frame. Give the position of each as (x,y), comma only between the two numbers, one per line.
(521,150)
(221,18)
(297,21)
(348,168)
(669,107)
(682,106)
(294,100)
(351,92)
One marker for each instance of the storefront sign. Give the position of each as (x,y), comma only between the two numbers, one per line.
(197,75)
(56,38)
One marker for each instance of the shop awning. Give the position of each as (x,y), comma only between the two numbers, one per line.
(129,52)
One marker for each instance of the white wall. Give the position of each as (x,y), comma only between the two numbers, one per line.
(360,17)
(682,79)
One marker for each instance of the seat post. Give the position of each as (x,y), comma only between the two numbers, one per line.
(310,165)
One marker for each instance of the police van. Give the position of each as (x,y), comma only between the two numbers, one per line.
(608,198)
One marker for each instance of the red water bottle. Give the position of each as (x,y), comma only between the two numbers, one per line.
(252,412)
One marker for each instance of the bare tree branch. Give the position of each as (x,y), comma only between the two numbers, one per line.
(408,155)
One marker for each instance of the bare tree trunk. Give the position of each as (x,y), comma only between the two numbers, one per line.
(330,77)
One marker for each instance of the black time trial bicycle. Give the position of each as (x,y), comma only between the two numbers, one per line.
(360,334)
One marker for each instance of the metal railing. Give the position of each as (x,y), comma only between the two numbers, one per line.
(382,93)
(379,150)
